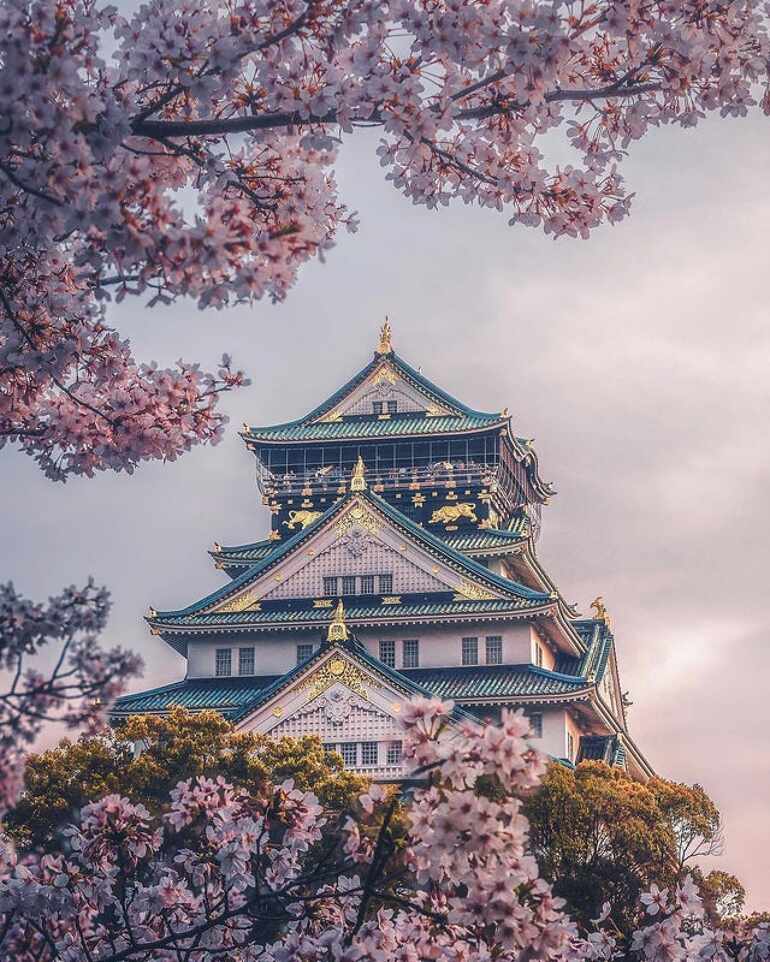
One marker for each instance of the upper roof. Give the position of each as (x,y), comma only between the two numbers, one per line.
(208,611)
(478,542)
(429,409)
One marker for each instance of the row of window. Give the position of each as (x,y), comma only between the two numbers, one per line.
(410,652)
(358,585)
(365,754)
(384,407)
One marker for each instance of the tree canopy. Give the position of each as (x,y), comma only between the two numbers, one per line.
(59,782)
(600,836)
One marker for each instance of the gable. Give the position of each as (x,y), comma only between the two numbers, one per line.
(385,383)
(358,541)
(337,699)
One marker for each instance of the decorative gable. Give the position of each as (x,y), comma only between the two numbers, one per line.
(339,700)
(360,542)
(385,384)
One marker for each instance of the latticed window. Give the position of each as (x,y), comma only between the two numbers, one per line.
(470,651)
(536,724)
(388,653)
(245,661)
(304,652)
(367,584)
(369,753)
(411,653)
(570,747)
(394,753)
(330,585)
(349,752)
(538,654)
(386,584)
(349,585)
(223,664)
(392,407)
(494,650)
(376,407)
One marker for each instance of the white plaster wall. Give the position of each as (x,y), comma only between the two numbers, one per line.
(439,647)
(557,722)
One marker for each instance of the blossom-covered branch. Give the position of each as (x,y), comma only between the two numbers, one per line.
(75,690)
(246,105)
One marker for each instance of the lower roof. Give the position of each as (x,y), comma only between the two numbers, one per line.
(235,698)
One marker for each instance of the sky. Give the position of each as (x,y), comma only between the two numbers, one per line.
(637,360)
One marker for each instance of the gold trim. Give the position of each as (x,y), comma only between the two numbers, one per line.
(358,516)
(392,600)
(385,344)
(358,477)
(469,591)
(338,630)
(245,602)
(322,602)
(333,671)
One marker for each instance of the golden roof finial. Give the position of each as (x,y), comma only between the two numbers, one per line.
(338,630)
(600,611)
(385,346)
(357,479)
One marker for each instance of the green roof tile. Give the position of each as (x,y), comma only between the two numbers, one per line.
(493,681)
(353,429)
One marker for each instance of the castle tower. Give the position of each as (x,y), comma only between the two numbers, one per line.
(401,559)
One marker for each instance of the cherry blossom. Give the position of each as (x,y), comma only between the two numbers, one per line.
(197,159)
(79,687)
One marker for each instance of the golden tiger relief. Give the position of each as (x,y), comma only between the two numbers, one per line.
(453,512)
(302,518)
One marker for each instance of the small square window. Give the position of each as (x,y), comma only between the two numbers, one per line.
(330,586)
(369,754)
(349,585)
(367,584)
(394,753)
(470,651)
(536,724)
(386,584)
(304,652)
(245,661)
(392,407)
(388,653)
(411,654)
(376,407)
(349,752)
(224,662)
(494,650)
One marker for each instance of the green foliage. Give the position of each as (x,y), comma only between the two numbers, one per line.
(175,747)
(600,836)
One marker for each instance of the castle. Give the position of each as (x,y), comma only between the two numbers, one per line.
(401,561)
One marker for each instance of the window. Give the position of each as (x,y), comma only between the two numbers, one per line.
(538,654)
(223,663)
(349,585)
(349,752)
(394,753)
(376,407)
(570,747)
(367,584)
(245,661)
(494,650)
(330,586)
(392,407)
(536,724)
(388,653)
(411,654)
(470,651)
(304,652)
(369,753)
(386,584)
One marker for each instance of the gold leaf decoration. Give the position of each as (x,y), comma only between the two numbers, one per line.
(335,670)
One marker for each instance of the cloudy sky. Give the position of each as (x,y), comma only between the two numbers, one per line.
(637,360)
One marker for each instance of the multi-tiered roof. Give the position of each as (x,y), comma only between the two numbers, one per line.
(392,465)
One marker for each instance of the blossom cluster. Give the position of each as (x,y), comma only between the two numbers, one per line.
(271,876)
(81,683)
(198,160)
